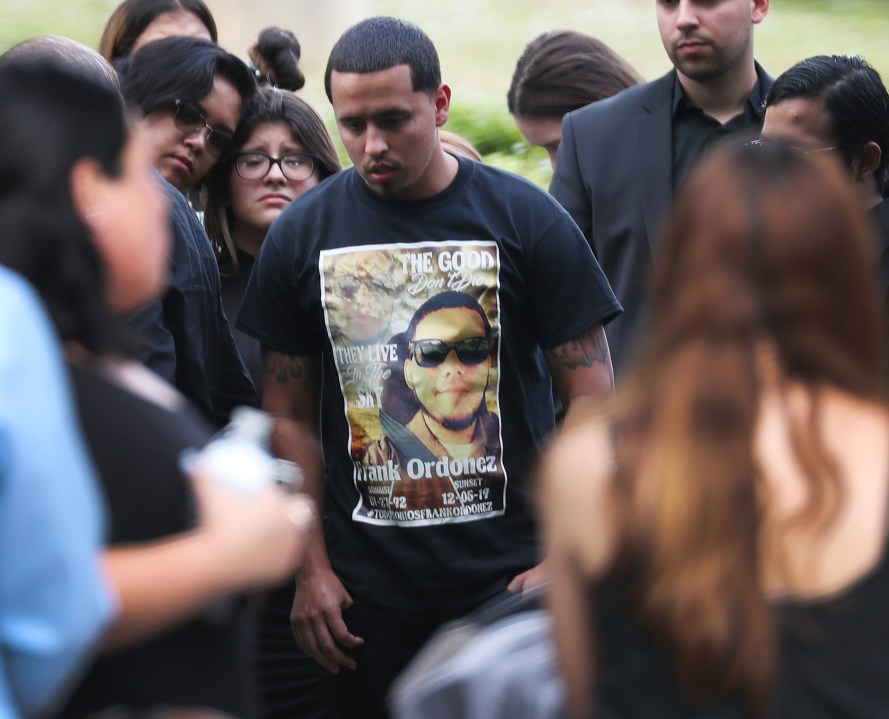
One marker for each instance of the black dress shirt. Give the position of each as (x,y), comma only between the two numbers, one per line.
(694,131)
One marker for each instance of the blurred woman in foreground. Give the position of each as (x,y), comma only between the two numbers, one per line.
(717,543)
(84,219)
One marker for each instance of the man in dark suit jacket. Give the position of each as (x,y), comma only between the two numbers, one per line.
(621,159)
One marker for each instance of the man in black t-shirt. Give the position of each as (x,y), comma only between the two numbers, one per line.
(344,270)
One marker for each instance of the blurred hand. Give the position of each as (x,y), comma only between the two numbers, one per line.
(261,535)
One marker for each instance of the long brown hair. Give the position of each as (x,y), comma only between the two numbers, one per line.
(562,70)
(766,246)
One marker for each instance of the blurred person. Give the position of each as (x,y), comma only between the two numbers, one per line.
(68,50)
(50,515)
(275,59)
(558,72)
(280,150)
(137,22)
(719,540)
(621,159)
(458,145)
(838,103)
(190,94)
(407,222)
(84,221)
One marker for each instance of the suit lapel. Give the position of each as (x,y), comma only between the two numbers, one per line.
(654,158)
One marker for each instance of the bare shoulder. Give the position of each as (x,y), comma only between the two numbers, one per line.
(576,497)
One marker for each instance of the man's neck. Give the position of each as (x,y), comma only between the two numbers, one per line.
(449,436)
(724,97)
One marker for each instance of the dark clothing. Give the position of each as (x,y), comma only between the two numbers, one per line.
(391,638)
(833,658)
(233,289)
(694,131)
(292,685)
(362,269)
(136,445)
(540,285)
(185,334)
(615,177)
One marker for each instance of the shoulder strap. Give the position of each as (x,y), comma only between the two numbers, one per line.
(405,441)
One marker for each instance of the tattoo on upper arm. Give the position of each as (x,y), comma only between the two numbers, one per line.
(586,350)
(285,368)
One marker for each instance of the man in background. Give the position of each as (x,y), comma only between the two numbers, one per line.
(621,159)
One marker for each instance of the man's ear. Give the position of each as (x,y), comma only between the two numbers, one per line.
(442,102)
(760,10)
(866,164)
(409,373)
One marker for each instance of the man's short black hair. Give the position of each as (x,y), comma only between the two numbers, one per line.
(379,43)
(446,301)
(856,100)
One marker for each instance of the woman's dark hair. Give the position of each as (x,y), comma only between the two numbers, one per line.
(766,261)
(52,117)
(179,68)
(276,56)
(269,105)
(132,17)
(561,71)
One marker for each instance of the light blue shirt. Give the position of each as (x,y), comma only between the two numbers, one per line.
(53,602)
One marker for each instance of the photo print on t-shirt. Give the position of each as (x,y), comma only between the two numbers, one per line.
(414,333)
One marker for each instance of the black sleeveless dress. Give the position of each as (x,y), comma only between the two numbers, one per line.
(833,658)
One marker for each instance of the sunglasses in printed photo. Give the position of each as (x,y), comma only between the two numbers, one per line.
(432,352)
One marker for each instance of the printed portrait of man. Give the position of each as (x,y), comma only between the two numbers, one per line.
(437,407)
(360,297)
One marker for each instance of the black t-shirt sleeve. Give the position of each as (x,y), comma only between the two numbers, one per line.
(277,308)
(569,291)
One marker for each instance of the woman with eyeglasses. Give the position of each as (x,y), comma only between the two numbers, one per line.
(280,151)
(189,94)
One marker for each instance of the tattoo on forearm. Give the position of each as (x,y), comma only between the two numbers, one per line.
(586,350)
(284,368)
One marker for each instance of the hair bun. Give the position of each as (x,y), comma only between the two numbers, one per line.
(276,54)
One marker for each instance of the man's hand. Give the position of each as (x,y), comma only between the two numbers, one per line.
(317,620)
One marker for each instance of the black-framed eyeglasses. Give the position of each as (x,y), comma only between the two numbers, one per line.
(296,166)
(765,142)
(189,119)
(431,353)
